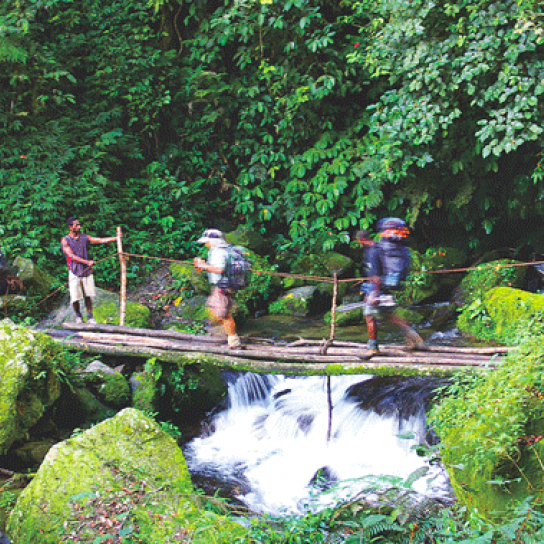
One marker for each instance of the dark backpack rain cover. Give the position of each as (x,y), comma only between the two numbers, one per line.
(237,269)
(394,255)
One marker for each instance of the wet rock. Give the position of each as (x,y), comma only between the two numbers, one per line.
(324,479)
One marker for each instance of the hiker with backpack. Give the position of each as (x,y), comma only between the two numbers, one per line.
(226,269)
(386,265)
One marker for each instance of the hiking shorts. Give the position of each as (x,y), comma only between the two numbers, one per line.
(377,303)
(80,287)
(220,302)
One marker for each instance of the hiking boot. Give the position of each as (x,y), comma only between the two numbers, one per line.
(92,321)
(79,319)
(234,342)
(369,353)
(413,340)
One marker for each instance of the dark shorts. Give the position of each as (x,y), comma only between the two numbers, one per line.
(220,302)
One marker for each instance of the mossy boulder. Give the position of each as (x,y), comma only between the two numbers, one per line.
(105,310)
(504,315)
(110,386)
(137,315)
(32,276)
(124,459)
(492,274)
(320,265)
(31,364)
(191,391)
(425,282)
(301,302)
(187,276)
(248,238)
(144,391)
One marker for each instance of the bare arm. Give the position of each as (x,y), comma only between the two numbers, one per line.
(95,240)
(67,250)
(200,264)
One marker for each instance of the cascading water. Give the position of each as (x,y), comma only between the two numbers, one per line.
(270,444)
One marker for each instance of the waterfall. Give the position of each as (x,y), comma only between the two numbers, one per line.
(270,443)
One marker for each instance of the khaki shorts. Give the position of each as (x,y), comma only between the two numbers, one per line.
(80,287)
(219,303)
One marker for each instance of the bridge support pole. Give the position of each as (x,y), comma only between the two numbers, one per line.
(123,292)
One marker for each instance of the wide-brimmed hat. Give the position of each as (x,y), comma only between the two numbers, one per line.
(211,235)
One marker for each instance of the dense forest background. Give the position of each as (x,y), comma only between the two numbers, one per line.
(303,119)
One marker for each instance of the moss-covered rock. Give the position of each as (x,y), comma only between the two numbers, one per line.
(248,238)
(124,460)
(137,315)
(110,385)
(105,309)
(301,301)
(320,265)
(32,276)
(504,315)
(144,392)
(492,274)
(424,282)
(30,368)
(475,319)
(187,276)
(191,391)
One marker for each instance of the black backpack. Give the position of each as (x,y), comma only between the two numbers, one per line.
(236,275)
(394,255)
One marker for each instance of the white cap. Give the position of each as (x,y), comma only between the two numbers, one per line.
(212,236)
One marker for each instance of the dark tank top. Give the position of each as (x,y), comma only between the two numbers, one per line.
(79,248)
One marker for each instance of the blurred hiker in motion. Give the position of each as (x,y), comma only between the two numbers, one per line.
(80,267)
(386,265)
(220,301)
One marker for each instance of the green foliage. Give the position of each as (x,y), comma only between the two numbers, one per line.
(463,83)
(159,115)
(485,423)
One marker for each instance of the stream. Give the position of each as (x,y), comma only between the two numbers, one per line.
(268,446)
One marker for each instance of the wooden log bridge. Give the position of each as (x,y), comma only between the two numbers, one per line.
(264,355)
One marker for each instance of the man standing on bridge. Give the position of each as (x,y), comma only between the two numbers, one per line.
(80,268)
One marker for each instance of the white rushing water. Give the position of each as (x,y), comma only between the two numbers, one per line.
(273,440)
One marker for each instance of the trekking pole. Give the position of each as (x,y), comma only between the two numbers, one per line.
(123,293)
(328,343)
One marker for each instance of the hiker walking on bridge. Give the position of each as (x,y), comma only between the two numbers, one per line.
(80,267)
(386,264)
(220,301)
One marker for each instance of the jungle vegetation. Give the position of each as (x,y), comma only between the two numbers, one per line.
(306,120)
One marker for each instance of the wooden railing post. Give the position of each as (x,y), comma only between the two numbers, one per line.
(123,293)
(333,309)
